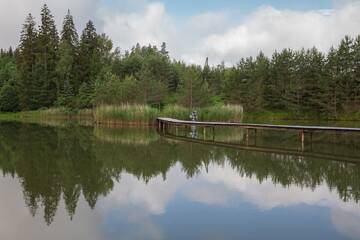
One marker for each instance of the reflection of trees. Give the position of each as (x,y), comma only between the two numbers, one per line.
(50,162)
(54,163)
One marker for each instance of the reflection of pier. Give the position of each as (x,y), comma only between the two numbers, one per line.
(168,125)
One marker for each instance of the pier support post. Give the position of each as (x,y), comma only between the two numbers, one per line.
(247,136)
(255,134)
(213,131)
(204,132)
(302,138)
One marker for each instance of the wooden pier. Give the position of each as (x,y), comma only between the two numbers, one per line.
(164,124)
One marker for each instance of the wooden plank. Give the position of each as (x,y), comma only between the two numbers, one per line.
(260,126)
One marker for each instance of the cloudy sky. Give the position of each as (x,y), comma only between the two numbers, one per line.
(223,30)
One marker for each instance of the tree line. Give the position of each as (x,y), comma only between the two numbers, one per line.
(49,68)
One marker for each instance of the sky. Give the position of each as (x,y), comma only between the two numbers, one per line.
(223,30)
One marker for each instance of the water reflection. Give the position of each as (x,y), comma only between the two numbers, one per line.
(136,182)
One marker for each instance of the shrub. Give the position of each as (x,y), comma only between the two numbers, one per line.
(9,101)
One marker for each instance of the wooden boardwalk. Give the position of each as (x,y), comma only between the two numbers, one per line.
(162,122)
(165,124)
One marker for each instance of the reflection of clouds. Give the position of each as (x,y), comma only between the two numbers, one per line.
(151,197)
(266,195)
(129,209)
(16,222)
(207,194)
(220,186)
(346,223)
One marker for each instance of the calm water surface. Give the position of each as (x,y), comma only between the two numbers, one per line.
(71,182)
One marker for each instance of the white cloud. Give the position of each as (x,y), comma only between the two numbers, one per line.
(269,29)
(13,13)
(222,35)
(218,36)
(149,25)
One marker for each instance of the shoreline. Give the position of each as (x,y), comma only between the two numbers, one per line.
(89,116)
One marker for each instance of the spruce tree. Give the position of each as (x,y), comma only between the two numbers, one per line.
(346,77)
(65,69)
(69,33)
(46,60)
(333,89)
(88,51)
(356,72)
(26,62)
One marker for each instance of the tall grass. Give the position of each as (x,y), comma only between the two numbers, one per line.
(145,115)
(224,113)
(125,114)
(175,111)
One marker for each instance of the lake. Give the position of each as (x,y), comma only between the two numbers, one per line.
(74,182)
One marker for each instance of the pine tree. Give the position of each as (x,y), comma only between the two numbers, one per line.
(356,72)
(333,89)
(88,51)
(163,50)
(26,62)
(193,91)
(46,60)
(260,75)
(69,33)
(346,78)
(65,69)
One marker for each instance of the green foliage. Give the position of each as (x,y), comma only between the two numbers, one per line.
(111,90)
(9,101)
(194,90)
(85,96)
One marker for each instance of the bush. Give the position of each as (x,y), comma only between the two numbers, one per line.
(9,101)
(85,96)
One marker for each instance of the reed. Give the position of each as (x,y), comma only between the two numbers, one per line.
(175,111)
(125,114)
(223,113)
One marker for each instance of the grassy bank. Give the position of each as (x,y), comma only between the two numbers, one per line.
(276,116)
(53,116)
(145,115)
(129,114)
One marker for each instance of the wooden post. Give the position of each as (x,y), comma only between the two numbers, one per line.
(177,131)
(247,136)
(302,136)
(255,133)
(213,128)
(204,133)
